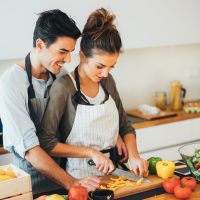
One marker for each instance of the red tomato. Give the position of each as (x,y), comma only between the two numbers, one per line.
(170,183)
(182,192)
(197,166)
(43,197)
(78,193)
(190,182)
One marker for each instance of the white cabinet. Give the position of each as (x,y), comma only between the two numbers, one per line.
(151,23)
(142,23)
(164,140)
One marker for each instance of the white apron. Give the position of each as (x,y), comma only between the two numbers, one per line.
(95,126)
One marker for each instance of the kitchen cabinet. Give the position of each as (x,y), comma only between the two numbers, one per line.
(141,23)
(164,140)
(155,23)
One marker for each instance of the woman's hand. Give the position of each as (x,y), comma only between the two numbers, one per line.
(122,150)
(138,165)
(102,162)
(90,183)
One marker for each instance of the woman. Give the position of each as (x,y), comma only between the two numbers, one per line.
(86,108)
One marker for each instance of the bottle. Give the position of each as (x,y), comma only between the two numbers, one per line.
(177,95)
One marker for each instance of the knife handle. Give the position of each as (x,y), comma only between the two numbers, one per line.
(91,162)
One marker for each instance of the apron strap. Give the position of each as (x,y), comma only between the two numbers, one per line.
(79,97)
(31,94)
(53,76)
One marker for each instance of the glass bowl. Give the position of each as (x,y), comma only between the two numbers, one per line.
(190,153)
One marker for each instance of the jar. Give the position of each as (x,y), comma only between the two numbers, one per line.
(161,100)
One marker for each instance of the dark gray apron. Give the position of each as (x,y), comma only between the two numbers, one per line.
(37,106)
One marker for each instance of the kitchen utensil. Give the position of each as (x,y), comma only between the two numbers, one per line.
(101,195)
(155,182)
(129,175)
(126,174)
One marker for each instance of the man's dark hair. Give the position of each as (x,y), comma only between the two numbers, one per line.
(52,24)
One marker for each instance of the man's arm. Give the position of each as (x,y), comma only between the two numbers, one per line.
(47,166)
(19,127)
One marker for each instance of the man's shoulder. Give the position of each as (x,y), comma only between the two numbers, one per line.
(14,76)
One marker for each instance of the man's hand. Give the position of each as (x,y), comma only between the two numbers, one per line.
(102,162)
(91,183)
(122,150)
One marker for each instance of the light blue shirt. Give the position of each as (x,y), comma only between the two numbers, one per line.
(19,132)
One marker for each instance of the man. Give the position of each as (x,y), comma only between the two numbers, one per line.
(24,93)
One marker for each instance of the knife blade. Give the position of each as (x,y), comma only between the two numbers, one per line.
(129,175)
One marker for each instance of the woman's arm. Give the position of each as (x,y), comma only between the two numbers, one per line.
(126,131)
(137,164)
(102,162)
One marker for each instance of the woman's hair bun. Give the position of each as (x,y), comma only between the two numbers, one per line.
(98,22)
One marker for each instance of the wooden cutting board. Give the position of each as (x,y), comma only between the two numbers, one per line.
(161,114)
(155,182)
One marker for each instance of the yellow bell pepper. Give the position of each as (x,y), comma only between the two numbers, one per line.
(165,168)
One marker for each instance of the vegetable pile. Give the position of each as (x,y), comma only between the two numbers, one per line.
(194,164)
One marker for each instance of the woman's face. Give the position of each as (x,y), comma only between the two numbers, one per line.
(99,65)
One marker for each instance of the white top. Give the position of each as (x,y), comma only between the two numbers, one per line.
(98,99)
(19,132)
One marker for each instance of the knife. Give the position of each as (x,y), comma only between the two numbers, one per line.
(126,174)
(129,175)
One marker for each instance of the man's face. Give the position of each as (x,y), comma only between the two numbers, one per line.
(57,54)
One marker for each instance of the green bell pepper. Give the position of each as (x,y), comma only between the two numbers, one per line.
(152,164)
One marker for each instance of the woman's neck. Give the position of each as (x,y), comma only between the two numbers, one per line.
(87,86)
(84,79)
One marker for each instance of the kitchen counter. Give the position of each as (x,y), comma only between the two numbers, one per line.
(195,196)
(156,194)
(139,196)
(181,115)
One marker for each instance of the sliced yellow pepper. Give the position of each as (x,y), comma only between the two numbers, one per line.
(165,168)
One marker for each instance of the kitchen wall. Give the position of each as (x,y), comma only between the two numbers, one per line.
(139,73)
